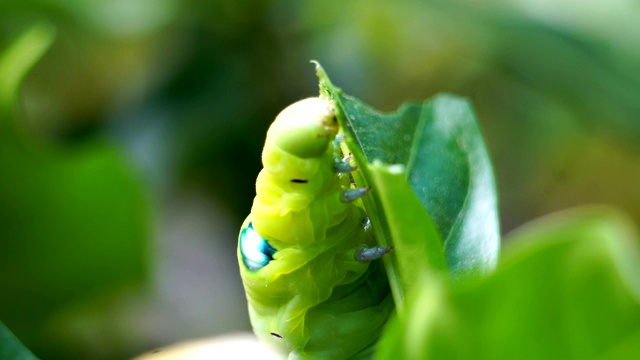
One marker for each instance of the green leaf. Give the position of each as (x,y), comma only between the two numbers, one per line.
(437,157)
(17,60)
(73,220)
(567,287)
(11,348)
(420,249)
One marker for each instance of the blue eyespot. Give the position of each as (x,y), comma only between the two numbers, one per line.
(255,250)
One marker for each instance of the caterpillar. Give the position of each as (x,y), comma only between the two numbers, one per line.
(306,252)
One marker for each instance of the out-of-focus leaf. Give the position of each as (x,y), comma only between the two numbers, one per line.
(437,150)
(11,348)
(17,60)
(73,220)
(567,287)
(627,348)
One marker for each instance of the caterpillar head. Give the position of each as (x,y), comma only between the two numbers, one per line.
(305,128)
(298,158)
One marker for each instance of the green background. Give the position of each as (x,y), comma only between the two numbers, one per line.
(131,162)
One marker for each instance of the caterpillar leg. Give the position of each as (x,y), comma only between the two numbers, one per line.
(354,194)
(365,254)
(343,166)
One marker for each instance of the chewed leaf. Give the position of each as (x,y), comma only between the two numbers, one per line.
(446,165)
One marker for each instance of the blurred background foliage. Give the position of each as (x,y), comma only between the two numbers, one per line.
(131,162)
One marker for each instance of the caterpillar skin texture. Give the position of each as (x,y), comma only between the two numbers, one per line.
(307,295)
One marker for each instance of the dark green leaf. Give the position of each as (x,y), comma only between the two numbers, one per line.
(436,153)
(11,348)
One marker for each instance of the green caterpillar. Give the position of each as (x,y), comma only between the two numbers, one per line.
(305,251)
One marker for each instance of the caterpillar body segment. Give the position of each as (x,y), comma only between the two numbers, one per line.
(312,291)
